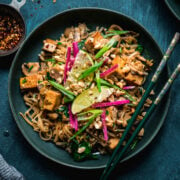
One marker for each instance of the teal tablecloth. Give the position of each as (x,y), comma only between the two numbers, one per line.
(161,160)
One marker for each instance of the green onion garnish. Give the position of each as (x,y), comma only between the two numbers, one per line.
(29,70)
(139,48)
(127,95)
(51,60)
(106,47)
(95,113)
(98,81)
(24,80)
(114,32)
(92,69)
(61,88)
(59,43)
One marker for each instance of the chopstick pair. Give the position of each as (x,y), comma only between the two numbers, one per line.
(116,156)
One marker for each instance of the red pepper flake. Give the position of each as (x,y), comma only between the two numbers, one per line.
(10,32)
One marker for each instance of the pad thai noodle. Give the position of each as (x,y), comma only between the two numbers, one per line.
(85,88)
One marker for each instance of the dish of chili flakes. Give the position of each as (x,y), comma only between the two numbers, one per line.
(10,32)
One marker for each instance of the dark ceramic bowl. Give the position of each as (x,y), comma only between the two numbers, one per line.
(174,7)
(52,28)
(14,11)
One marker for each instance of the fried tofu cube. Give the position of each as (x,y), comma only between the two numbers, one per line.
(113,142)
(29,82)
(121,63)
(97,37)
(136,79)
(50,45)
(51,100)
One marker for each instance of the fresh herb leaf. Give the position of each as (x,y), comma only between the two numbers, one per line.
(59,117)
(29,70)
(123,42)
(81,44)
(24,80)
(139,48)
(81,156)
(48,77)
(63,109)
(107,112)
(51,60)
(120,50)
(61,63)
(59,43)
(115,32)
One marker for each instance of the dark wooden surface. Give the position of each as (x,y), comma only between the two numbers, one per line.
(161,160)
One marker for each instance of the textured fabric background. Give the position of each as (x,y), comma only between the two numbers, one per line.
(161,160)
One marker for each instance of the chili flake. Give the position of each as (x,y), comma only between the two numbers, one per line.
(10,32)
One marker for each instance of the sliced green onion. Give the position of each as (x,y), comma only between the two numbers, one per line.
(29,70)
(120,50)
(114,32)
(39,82)
(61,63)
(139,48)
(92,69)
(81,44)
(59,43)
(106,48)
(61,88)
(98,81)
(51,60)
(127,95)
(95,113)
(66,99)
(24,80)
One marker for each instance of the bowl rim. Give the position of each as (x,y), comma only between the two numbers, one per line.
(16,117)
(172,10)
(19,44)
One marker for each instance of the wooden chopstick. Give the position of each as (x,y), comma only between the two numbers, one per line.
(146,94)
(148,113)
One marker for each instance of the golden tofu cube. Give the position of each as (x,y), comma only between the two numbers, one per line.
(134,78)
(29,82)
(121,63)
(49,45)
(113,142)
(51,100)
(97,37)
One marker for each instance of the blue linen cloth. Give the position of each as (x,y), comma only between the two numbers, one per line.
(8,172)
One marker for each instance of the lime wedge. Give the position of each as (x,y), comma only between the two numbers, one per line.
(90,97)
(82,62)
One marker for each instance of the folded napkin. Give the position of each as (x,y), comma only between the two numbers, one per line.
(8,172)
